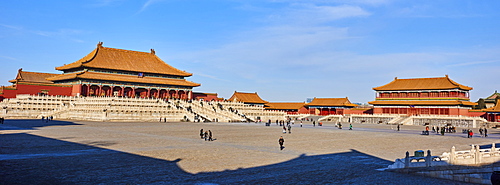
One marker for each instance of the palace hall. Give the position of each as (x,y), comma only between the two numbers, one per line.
(115,72)
(423,96)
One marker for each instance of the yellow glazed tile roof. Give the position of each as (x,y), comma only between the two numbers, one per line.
(34,77)
(123,78)
(125,60)
(284,105)
(332,102)
(496,108)
(247,98)
(437,83)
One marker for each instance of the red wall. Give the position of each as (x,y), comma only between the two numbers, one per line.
(205,97)
(35,89)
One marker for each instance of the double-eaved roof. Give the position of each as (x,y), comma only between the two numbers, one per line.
(120,64)
(250,98)
(331,102)
(438,83)
(124,60)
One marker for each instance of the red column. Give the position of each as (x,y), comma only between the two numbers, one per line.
(100,90)
(133,92)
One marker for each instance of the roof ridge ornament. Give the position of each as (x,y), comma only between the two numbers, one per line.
(153,51)
(99,44)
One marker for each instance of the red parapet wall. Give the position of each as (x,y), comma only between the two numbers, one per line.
(33,89)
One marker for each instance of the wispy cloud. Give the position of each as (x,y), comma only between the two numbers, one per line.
(68,34)
(103,3)
(211,77)
(473,63)
(314,14)
(10,58)
(11,27)
(148,4)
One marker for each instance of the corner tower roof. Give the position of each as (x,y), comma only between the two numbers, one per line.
(125,60)
(440,83)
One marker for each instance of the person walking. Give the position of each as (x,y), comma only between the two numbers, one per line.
(284,129)
(300,123)
(210,135)
(201,133)
(281,141)
(314,123)
(485,132)
(289,129)
(481,132)
(2,120)
(350,126)
(398,127)
(205,135)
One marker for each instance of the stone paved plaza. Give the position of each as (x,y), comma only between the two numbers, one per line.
(64,152)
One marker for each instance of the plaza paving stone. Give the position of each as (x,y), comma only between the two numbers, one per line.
(81,152)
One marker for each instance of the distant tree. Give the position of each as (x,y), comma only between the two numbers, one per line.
(480,104)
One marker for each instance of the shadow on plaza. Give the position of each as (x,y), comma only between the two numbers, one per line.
(33,123)
(30,159)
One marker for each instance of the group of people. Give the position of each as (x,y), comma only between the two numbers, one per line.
(483,132)
(446,129)
(289,129)
(207,135)
(48,118)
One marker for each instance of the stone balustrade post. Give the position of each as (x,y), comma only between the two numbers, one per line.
(493,149)
(477,155)
(428,159)
(452,155)
(407,160)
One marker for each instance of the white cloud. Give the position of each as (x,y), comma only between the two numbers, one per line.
(148,4)
(103,3)
(314,14)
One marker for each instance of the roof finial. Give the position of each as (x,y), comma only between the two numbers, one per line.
(21,69)
(99,44)
(395,78)
(446,76)
(153,51)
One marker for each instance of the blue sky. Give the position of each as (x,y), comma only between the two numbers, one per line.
(286,51)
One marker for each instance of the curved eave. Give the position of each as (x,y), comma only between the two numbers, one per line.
(124,78)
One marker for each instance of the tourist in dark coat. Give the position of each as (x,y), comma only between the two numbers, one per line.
(210,135)
(201,133)
(281,141)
